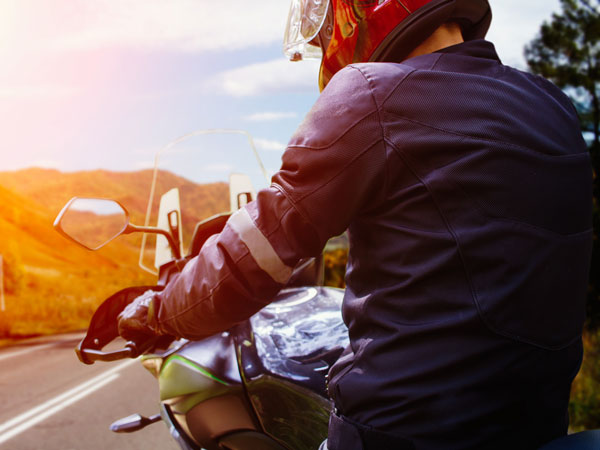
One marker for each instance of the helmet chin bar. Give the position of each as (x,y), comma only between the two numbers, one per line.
(474,18)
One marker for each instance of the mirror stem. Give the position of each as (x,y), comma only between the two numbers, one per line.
(155,230)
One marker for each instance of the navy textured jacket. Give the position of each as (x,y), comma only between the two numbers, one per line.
(466,189)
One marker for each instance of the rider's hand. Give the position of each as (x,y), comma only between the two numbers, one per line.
(137,319)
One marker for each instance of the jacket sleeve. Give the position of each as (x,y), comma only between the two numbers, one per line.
(333,169)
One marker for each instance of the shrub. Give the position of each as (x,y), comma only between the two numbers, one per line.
(584,405)
(335,267)
(13,271)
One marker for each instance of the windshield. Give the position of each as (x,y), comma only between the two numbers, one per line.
(208,172)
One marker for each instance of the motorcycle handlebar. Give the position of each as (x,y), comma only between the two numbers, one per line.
(103,329)
(131,350)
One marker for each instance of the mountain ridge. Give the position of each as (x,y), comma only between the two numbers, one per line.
(58,283)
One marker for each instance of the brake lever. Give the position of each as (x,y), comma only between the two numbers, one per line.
(131,350)
(89,356)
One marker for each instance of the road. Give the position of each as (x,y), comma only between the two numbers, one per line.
(49,400)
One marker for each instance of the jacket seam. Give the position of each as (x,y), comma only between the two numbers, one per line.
(296,203)
(508,219)
(292,207)
(454,237)
(380,114)
(486,139)
(200,300)
(474,293)
(337,174)
(400,83)
(377,110)
(514,220)
(329,144)
(292,204)
(437,60)
(382,128)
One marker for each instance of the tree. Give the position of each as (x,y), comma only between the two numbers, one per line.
(567,52)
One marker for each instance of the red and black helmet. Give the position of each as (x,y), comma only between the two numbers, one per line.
(350,31)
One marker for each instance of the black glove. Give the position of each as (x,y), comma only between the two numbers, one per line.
(137,321)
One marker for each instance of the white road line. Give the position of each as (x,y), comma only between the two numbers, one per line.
(41,412)
(53,410)
(24,351)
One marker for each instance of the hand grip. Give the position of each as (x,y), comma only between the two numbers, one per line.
(131,350)
(89,356)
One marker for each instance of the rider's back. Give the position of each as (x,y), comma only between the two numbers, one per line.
(467,275)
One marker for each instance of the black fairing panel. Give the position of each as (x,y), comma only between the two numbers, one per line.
(285,353)
(216,354)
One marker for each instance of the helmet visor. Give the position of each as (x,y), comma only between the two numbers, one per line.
(304,22)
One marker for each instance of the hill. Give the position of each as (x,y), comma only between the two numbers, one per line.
(53,189)
(27,229)
(53,284)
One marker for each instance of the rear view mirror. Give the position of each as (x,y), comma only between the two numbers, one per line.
(92,222)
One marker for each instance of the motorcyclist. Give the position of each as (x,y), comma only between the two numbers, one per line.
(465,186)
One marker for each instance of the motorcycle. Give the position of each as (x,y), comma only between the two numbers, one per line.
(258,386)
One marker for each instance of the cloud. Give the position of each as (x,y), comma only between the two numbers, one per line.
(270,116)
(185,25)
(270,77)
(515,23)
(199,25)
(269,145)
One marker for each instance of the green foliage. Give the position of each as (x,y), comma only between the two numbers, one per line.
(567,52)
(584,405)
(335,267)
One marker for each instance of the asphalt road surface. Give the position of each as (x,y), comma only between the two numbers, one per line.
(49,400)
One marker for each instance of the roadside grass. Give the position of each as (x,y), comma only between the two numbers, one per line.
(58,301)
(584,404)
(335,267)
(63,299)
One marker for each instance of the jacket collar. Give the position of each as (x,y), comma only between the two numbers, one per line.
(479,48)
(465,57)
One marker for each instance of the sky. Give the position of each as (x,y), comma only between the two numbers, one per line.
(107,83)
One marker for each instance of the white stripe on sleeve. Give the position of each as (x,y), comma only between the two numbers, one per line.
(260,248)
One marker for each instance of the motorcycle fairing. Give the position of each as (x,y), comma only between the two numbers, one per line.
(295,416)
(207,367)
(202,392)
(285,351)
